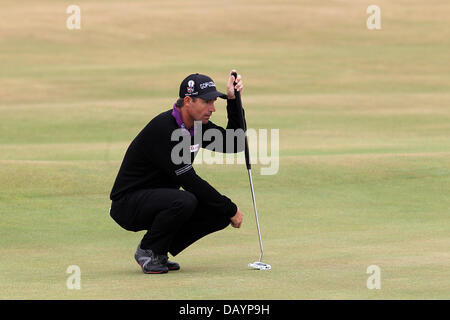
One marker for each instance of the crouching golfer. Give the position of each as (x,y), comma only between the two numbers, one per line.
(146,194)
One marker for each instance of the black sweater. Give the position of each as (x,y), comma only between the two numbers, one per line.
(148,164)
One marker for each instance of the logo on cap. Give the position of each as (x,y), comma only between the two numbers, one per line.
(208,84)
(190,88)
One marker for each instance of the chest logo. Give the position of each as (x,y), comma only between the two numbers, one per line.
(194,148)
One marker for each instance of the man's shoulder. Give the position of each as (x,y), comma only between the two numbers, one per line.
(162,122)
(165,116)
(159,126)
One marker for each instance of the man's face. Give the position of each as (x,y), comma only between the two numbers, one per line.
(201,110)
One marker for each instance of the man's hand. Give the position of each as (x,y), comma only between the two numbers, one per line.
(236,220)
(230,87)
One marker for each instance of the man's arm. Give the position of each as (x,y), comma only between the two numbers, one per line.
(159,153)
(233,141)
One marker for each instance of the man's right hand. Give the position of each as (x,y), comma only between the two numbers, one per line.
(236,220)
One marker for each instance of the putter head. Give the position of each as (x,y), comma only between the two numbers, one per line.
(258,265)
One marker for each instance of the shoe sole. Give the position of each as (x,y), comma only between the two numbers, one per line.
(152,272)
(169,269)
(173,269)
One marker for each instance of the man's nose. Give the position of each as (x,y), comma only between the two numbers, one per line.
(212,108)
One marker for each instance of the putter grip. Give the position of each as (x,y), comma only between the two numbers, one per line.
(237,94)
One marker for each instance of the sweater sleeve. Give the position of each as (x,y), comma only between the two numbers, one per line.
(231,139)
(160,152)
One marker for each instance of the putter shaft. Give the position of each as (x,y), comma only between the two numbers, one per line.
(247,162)
(256,214)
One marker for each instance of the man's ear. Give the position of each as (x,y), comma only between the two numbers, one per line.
(187,100)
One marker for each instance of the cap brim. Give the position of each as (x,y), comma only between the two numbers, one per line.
(212,95)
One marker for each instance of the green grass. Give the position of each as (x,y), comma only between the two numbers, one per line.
(364,163)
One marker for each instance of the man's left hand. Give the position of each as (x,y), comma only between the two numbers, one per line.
(230,86)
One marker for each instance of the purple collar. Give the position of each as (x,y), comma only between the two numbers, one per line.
(177,115)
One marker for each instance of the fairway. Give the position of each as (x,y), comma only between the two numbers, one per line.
(364,146)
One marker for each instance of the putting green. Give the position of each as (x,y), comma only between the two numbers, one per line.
(364,146)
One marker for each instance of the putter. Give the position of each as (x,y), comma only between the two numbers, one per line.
(257,265)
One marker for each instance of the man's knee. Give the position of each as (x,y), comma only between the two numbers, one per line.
(221,223)
(187,202)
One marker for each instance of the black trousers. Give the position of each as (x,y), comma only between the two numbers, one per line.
(173,218)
